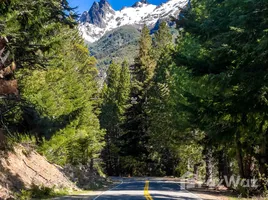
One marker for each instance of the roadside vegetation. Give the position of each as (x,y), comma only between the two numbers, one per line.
(197,106)
(40,192)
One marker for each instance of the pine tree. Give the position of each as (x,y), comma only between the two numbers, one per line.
(159,109)
(223,60)
(63,102)
(135,139)
(124,89)
(162,40)
(116,97)
(144,63)
(31,37)
(31,30)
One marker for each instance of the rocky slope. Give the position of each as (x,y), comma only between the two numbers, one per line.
(102,18)
(21,168)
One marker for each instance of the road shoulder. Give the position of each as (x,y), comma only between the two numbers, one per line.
(88,195)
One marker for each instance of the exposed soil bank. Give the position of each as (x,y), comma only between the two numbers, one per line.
(22,167)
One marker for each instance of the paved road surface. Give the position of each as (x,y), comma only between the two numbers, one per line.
(139,189)
(147,189)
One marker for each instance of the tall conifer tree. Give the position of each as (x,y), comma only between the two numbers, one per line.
(116,97)
(135,139)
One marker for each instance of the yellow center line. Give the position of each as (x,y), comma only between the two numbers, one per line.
(146,191)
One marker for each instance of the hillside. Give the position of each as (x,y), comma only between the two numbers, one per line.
(121,44)
(22,168)
(118,45)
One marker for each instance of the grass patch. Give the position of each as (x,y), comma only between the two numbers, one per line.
(40,192)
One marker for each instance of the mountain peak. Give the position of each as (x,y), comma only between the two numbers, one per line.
(95,4)
(140,3)
(104,2)
(102,18)
(144,1)
(97,13)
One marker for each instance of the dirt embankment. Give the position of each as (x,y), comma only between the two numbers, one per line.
(21,168)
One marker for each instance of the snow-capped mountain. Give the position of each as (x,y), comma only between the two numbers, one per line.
(102,18)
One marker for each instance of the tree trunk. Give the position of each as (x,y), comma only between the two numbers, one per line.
(248,166)
(224,167)
(239,155)
(188,164)
(263,161)
(196,174)
(209,166)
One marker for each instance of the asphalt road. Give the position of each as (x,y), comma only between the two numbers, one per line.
(148,189)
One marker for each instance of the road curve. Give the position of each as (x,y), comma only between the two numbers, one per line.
(147,189)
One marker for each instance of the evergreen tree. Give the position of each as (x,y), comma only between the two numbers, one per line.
(30,30)
(222,49)
(109,117)
(159,109)
(65,96)
(124,89)
(135,140)
(116,97)
(162,40)
(144,62)
(31,37)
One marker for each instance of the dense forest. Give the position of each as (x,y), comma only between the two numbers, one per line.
(198,105)
(59,95)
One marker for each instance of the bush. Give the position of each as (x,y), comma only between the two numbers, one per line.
(39,192)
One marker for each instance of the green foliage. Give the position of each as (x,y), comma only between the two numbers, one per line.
(116,100)
(189,154)
(196,103)
(124,89)
(67,89)
(24,195)
(134,142)
(212,82)
(162,130)
(40,192)
(220,90)
(162,39)
(31,27)
(144,63)
(132,165)
(121,44)
(57,81)
(118,45)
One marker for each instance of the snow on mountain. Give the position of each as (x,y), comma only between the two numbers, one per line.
(102,18)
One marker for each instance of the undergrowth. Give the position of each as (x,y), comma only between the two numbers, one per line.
(40,192)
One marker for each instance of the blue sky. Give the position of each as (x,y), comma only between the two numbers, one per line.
(116,4)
